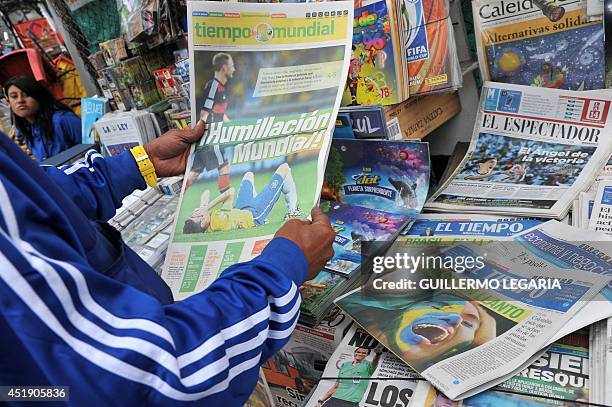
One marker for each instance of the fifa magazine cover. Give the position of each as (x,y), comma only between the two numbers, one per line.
(270,100)
(428,43)
(355,224)
(375,73)
(391,176)
(542,43)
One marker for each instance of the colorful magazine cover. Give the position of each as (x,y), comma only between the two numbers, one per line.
(355,224)
(542,43)
(375,71)
(92,109)
(270,100)
(392,176)
(429,40)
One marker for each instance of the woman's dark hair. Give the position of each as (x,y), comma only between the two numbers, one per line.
(48,105)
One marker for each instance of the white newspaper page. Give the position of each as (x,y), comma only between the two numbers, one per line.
(532,151)
(601,215)
(267,78)
(558,245)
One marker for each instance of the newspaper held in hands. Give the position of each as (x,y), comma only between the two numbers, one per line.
(267,79)
(532,152)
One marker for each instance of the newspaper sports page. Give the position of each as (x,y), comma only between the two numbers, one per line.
(532,152)
(267,79)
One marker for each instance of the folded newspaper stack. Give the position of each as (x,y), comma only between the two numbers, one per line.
(120,131)
(601,362)
(504,326)
(532,152)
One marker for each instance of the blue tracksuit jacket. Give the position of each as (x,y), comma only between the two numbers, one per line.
(78,309)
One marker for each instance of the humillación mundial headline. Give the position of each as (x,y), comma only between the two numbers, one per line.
(495,280)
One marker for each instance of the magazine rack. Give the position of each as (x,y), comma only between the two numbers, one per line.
(460,127)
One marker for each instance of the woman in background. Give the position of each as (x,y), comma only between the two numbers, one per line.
(46,125)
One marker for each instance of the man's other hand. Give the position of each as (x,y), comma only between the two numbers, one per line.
(169,152)
(313,238)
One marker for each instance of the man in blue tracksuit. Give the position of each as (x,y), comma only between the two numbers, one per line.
(78,308)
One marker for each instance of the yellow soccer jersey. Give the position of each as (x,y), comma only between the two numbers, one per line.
(230,219)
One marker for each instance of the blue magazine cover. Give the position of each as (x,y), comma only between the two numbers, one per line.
(355,224)
(392,176)
(91,110)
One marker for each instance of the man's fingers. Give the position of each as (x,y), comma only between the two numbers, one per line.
(194,134)
(318,216)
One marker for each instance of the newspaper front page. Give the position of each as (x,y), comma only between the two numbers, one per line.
(532,151)
(545,43)
(600,219)
(267,78)
(465,339)
(296,369)
(363,373)
(437,227)
(554,244)
(559,377)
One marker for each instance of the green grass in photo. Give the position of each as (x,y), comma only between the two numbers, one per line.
(304,175)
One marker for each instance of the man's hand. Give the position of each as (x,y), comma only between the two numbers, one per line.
(314,238)
(169,152)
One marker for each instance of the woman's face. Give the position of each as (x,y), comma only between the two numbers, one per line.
(22,104)
(437,330)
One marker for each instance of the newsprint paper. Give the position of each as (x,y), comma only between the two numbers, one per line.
(533,150)
(267,78)
(465,340)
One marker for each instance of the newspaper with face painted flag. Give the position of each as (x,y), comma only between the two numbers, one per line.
(467,316)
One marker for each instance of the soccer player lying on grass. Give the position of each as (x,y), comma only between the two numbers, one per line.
(250,208)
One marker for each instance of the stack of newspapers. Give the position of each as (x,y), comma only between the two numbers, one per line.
(601,362)
(518,347)
(119,131)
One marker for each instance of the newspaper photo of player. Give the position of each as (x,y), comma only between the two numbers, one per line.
(510,160)
(352,382)
(232,184)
